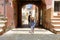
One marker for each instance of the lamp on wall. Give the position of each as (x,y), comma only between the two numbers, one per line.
(6,1)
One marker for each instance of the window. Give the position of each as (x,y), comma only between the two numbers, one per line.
(56,6)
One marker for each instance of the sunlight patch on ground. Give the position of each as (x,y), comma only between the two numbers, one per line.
(26,31)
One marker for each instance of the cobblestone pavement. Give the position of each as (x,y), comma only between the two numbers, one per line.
(25,35)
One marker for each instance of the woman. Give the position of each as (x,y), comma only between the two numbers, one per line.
(32,24)
(29,20)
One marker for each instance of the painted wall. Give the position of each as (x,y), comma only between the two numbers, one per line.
(10,10)
(1,7)
(50,4)
(10,13)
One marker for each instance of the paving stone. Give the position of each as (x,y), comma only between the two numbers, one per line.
(16,36)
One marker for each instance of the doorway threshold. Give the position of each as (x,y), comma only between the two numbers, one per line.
(26,31)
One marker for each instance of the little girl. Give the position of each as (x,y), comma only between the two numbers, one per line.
(32,24)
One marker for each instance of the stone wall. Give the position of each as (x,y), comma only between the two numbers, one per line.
(9,12)
(1,7)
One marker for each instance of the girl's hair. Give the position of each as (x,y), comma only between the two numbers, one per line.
(32,18)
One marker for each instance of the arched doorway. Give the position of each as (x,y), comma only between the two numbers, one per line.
(29,9)
(20,4)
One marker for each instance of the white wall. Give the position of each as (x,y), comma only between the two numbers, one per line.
(54,13)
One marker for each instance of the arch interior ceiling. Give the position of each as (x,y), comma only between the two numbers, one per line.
(30,0)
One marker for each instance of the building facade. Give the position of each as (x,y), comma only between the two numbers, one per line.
(50,13)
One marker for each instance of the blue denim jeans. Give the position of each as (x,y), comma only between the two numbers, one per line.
(32,25)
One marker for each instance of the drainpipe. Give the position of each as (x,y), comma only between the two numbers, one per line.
(4,7)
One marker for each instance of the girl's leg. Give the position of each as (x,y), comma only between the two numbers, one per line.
(32,29)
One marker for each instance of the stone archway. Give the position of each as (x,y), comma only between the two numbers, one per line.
(22,3)
(29,9)
(18,14)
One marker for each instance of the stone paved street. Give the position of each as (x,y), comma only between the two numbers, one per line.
(20,34)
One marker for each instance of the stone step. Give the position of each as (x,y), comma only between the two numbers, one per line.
(1,30)
(56,30)
(55,21)
(21,29)
(3,17)
(26,31)
(2,25)
(2,21)
(56,24)
(57,16)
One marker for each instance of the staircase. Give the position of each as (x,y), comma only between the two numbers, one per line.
(3,22)
(56,24)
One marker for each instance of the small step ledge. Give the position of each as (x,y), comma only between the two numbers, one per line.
(3,21)
(56,29)
(2,25)
(56,24)
(55,21)
(55,18)
(1,30)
